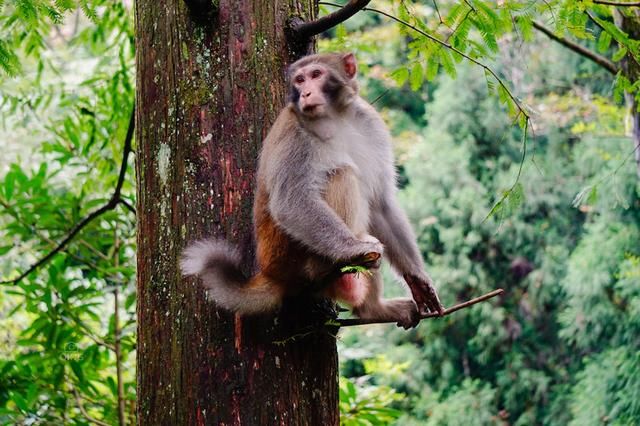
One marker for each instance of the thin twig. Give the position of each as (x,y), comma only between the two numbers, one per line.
(435,5)
(128,206)
(109,205)
(458,26)
(84,411)
(616,3)
(306,30)
(577,48)
(380,96)
(359,321)
(470,5)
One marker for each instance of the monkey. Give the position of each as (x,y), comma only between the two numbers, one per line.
(325,199)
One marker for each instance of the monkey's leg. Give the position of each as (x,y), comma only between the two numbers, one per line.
(390,225)
(403,310)
(342,194)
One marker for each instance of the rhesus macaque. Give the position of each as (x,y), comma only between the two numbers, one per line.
(325,199)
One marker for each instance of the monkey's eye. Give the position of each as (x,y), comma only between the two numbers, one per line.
(299,79)
(316,73)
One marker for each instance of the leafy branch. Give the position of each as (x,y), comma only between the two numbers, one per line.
(112,203)
(521,109)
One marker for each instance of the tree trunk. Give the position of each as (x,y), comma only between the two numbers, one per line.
(629,22)
(209,85)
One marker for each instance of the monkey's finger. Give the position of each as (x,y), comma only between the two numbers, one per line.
(425,295)
(433,302)
(371,259)
(371,256)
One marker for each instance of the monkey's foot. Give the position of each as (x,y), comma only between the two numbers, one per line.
(402,310)
(406,312)
(424,294)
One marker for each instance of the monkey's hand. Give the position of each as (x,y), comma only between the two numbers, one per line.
(368,256)
(371,249)
(424,294)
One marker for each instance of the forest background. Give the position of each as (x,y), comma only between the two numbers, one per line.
(551,216)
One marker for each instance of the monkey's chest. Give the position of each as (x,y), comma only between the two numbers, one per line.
(351,149)
(351,181)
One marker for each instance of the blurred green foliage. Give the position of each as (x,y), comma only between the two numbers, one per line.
(561,346)
(65,105)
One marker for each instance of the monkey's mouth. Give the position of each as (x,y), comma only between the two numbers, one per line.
(312,109)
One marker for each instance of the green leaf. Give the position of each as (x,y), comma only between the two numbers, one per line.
(401,75)
(604,41)
(447,62)
(20,402)
(620,53)
(516,197)
(77,370)
(417,76)
(432,69)
(9,185)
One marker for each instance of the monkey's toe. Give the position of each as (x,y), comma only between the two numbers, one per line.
(410,315)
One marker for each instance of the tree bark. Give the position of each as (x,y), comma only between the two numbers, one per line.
(210,81)
(628,20)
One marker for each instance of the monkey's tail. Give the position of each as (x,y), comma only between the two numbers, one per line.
(218,264)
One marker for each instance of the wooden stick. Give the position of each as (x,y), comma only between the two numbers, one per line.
(359,321)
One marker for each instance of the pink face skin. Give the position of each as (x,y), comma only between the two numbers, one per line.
(309,81)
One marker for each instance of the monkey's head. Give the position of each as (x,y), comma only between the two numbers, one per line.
(321,83)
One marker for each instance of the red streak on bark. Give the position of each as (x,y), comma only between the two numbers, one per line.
(235,408)
(238,332)
(231,195)
(240,105)
(199,418)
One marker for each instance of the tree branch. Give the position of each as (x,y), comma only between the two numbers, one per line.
(577,48)
(359,321)
(84,412)
(615,3)
(305,30)
(128,206)
(109,205)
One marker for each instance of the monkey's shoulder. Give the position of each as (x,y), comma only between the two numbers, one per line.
(285,127)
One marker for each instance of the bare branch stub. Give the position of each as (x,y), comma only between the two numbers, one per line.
(359,321)
(306,30)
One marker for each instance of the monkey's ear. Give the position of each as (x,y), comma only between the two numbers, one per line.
(349,62)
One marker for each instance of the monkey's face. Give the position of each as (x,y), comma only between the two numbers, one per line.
(308,88)
(321,84)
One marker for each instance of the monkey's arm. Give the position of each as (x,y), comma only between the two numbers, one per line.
(297,205)
(390,225)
